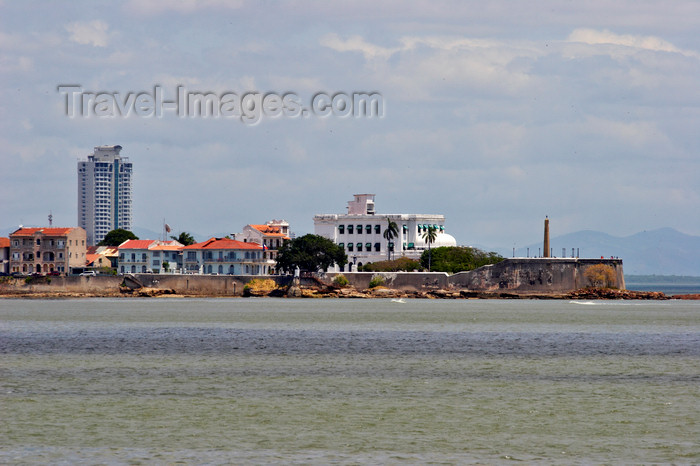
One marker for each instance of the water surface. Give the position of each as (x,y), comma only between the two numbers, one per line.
(272,381)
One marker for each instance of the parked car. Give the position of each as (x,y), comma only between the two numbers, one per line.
(88,273)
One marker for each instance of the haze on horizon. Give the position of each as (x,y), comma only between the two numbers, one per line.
(496,114)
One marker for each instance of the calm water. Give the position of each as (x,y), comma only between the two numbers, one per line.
(275,381)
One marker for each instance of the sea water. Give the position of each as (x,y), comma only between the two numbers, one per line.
(282,381)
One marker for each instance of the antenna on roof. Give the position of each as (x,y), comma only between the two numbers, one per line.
(50,218)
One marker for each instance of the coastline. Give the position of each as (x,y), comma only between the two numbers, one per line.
(350,293)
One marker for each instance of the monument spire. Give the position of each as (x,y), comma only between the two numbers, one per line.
(546,237)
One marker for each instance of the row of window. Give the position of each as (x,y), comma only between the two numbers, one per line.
(358,247)
(351,229)
(378,229)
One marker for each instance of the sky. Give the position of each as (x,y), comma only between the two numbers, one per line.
(494,114)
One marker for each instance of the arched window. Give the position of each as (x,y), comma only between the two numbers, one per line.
(221,269)
(209,269)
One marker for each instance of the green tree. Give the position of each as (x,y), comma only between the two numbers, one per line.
(310,253)
(184,238)
(430,235)
(391,232)
(117,237)
(453,259)
(402,264)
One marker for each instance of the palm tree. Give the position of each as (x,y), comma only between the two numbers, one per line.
(391,232)
(429,236)
(184,238)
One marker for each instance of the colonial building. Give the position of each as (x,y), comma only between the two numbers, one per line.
(101,257)
(46,250)
(272,235)
(361,232)
(4,255)
(104,193)
(150,256)
(224,256)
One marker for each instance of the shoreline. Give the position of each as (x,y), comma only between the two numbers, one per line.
(351,293)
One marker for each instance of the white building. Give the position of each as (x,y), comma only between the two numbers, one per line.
(149,255)
(224,256)
(272,236)
(361,232)
(104,193)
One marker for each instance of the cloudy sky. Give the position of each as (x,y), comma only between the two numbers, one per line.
(495,114)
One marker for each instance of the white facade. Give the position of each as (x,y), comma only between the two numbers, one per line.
(104,193)
(361,233)
(272,235)
(146,256)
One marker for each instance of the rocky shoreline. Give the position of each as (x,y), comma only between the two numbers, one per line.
(352,293)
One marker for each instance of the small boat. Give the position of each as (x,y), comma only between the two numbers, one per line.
(400,300)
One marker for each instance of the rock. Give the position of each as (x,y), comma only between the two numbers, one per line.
(294,292)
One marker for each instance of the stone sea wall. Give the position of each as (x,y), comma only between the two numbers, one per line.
(516,276)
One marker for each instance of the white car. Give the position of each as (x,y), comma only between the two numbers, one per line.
(89,273)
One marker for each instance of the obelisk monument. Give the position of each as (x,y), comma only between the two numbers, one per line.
(546,237)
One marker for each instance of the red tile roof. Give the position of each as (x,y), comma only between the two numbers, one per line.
(4,242)
(223,243)
(44,231)
(136,244)
(268,230)
(90,258)
(154,244)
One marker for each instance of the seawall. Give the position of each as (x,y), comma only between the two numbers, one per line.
(516,276)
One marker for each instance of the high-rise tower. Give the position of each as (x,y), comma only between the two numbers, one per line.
(104,193)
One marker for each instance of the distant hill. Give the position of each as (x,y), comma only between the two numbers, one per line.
(655,252)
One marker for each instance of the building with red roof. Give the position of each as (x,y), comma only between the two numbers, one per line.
(46,250)
(272,235)
(149,256)
(4,255)
(225,256)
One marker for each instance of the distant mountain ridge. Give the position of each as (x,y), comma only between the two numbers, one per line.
(664,251)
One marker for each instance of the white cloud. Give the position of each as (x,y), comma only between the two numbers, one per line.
(605,37)
(89,33)
(358,44)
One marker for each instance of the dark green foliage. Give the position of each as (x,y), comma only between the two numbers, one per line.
(453,259)
(310,253)
(402,264)
(184,238)
(117,237)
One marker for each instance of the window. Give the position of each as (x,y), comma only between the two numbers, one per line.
(341,229)
(350,247)
(156,253)
(38,241)
(377,229)
(342,245)
(143,256)
(377,247)
(368,229)
(359,229)
(368,247)
(350,228)
(191,256)
(359,247)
